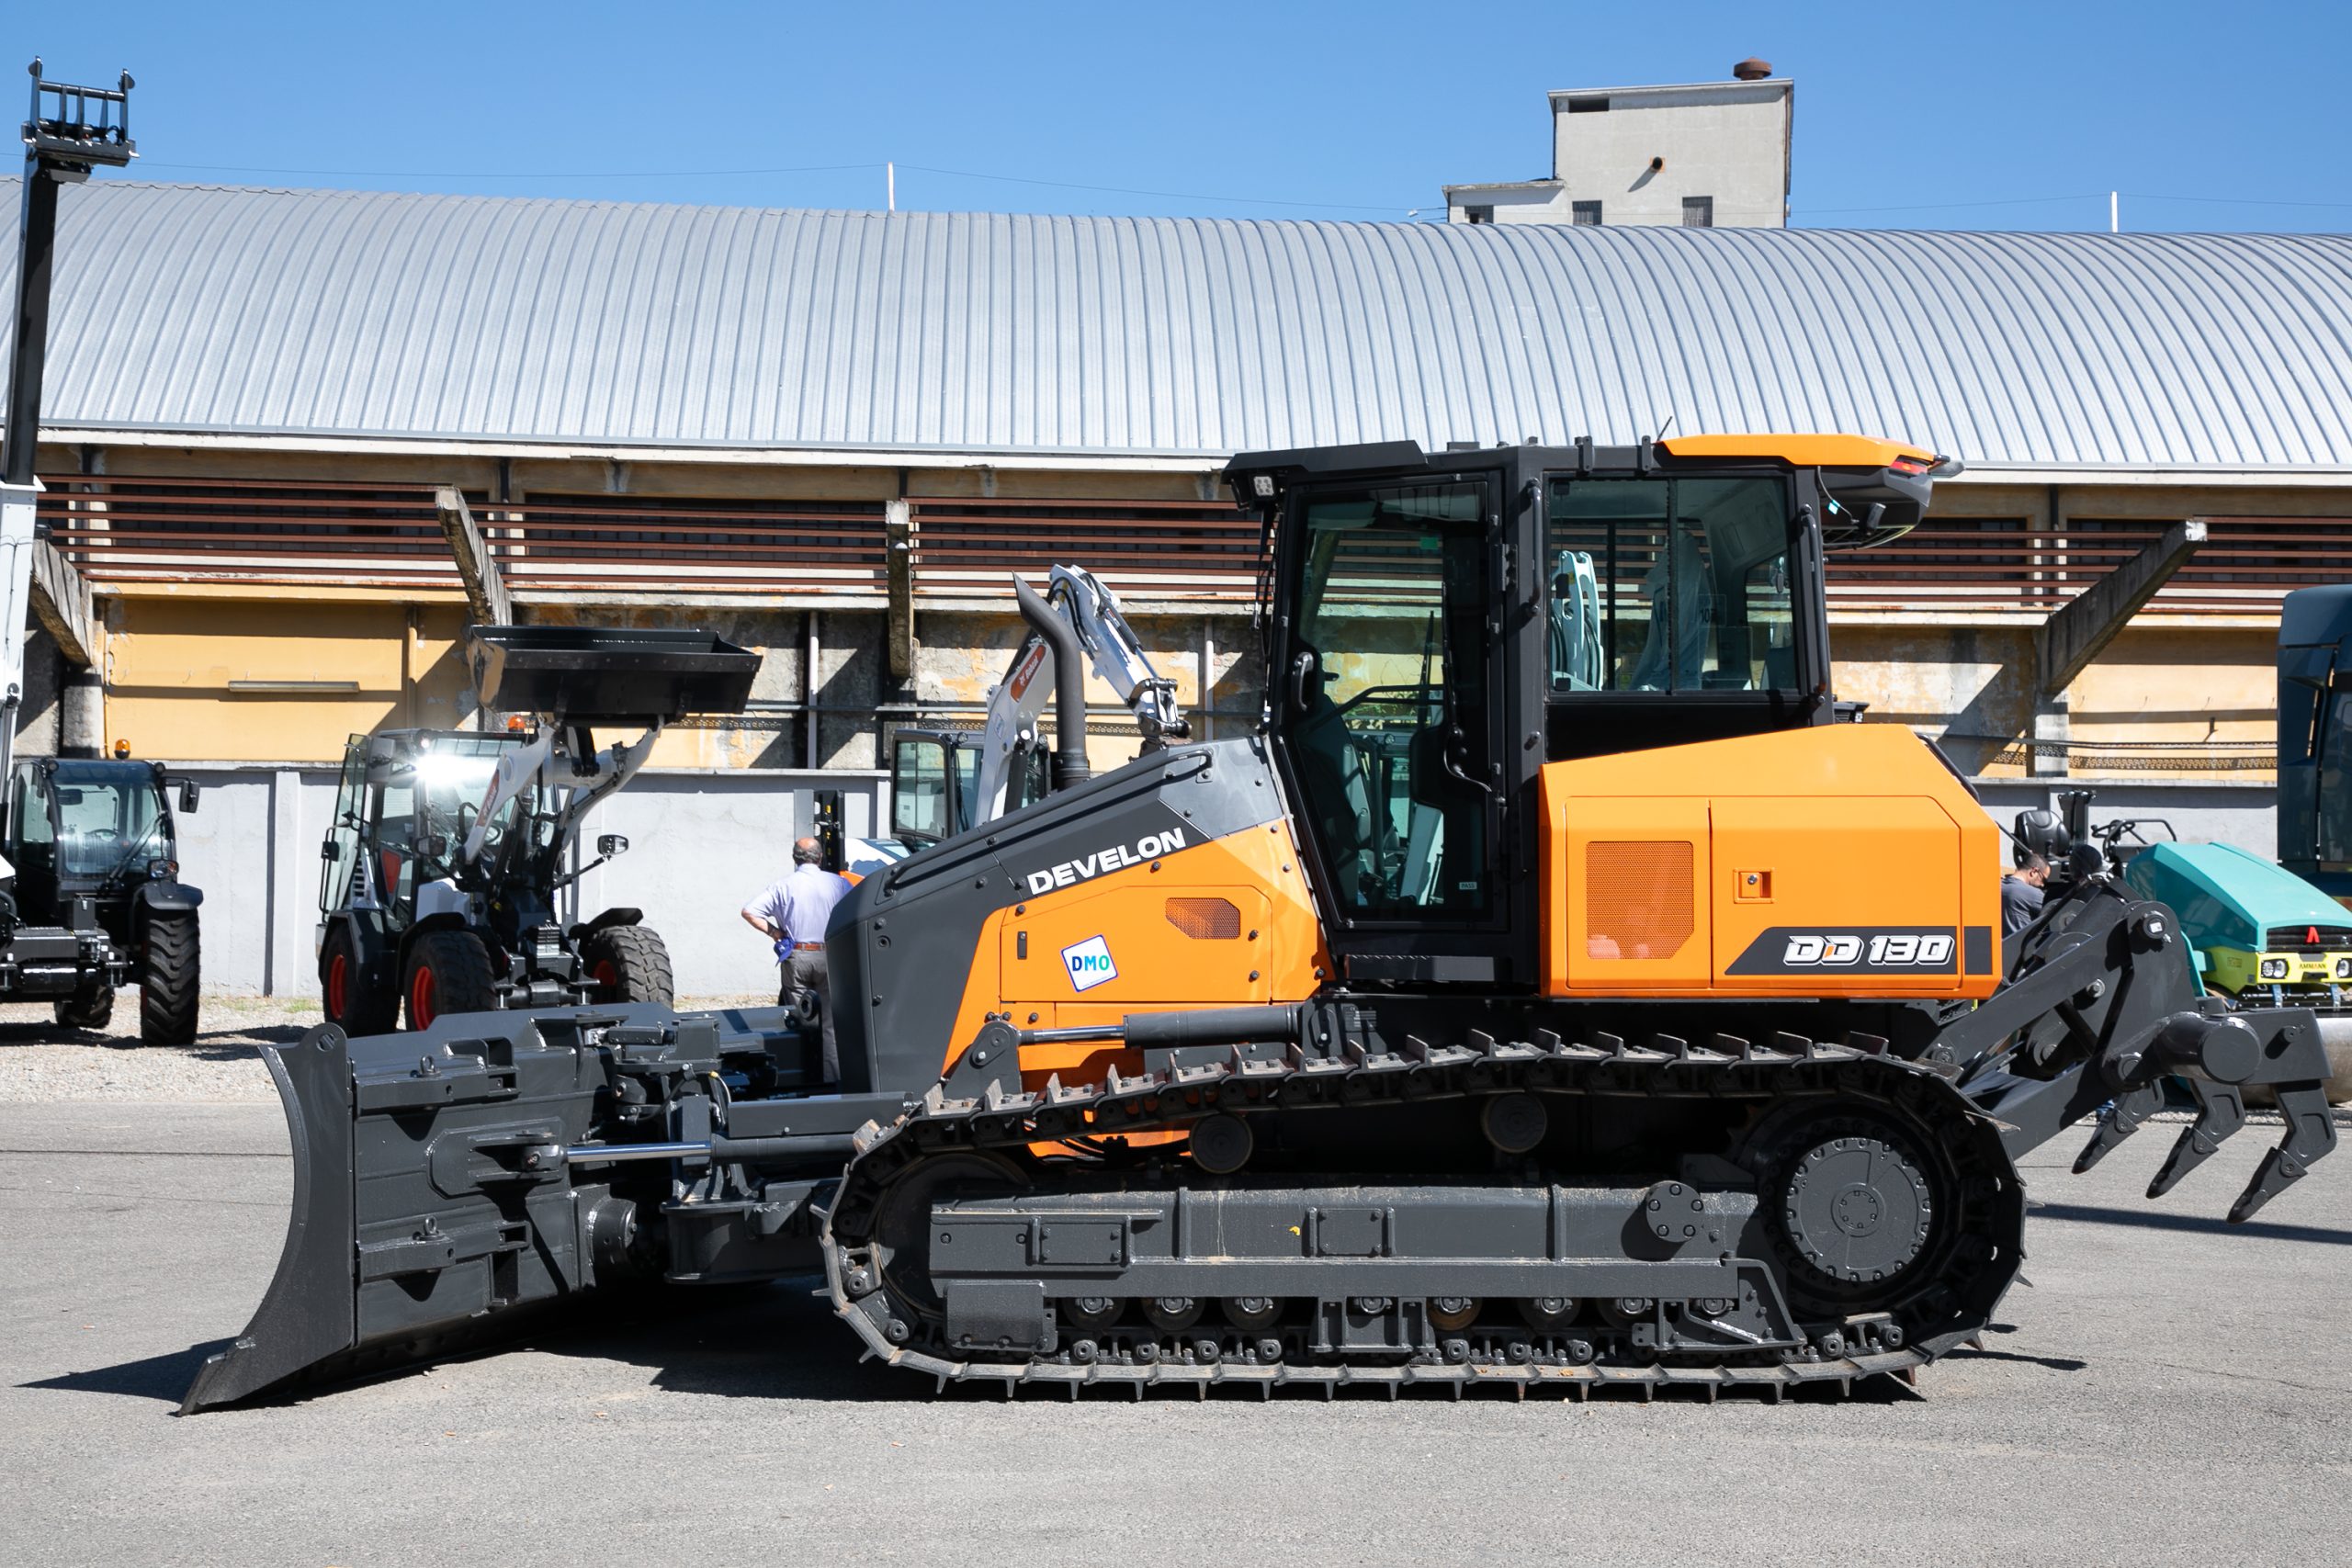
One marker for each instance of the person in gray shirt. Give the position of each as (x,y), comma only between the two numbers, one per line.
(2021,893)
(792,913)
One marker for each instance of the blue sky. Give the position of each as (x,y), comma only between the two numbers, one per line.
(1991,116)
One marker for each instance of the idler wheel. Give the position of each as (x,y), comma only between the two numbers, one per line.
(903,1229)
(1857,1208)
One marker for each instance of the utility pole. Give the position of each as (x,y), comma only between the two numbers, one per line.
(891,195)
(2114,212)
(70,130)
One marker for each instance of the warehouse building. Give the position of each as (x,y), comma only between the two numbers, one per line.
(830,435)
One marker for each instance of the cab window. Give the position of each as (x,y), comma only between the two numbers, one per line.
(1671,584)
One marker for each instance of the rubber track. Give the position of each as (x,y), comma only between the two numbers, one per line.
(1120,1105)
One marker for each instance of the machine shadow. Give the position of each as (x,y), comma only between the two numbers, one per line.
(164,1377)
(2087,1213)
(2049,1363)
(781,1342)
(776,1340)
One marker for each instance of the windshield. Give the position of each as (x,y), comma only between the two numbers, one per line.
(447,788)
(109,818)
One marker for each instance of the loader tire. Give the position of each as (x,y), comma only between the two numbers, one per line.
(169,980)
(350,1002)
(449,971)
(629,964)
(92,1009)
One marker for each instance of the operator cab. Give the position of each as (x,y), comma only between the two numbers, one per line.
(935,783)
(89,830)
(1443,624)
(408,798)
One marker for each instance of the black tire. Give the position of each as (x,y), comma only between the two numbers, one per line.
(93,1009)
(169,980)
(449,971)
(367,1009)
(629,964)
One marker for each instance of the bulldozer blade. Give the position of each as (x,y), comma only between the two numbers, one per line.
(308,1313)
(2122,1119)
(433,1208)
(2311,1138)
(2221,1112)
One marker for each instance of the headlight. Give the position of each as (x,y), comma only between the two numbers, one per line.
(2344,969)
(2274,968)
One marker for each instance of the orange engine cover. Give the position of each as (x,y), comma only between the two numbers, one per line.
(1841,861)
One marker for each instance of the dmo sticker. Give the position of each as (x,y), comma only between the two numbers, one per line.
(1088,963)
(1864,950)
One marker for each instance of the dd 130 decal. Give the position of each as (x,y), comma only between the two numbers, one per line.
(1852,950)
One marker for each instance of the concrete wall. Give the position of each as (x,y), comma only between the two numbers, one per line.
(2228,812)
(702,843)
(1729,141)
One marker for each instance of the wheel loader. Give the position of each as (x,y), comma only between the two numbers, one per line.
(446,857)
(1505,1013)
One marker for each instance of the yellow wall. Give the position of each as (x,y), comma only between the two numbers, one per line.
(170,663)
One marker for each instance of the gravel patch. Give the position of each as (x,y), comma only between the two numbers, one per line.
(40,1061)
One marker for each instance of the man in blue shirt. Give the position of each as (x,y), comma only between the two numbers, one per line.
(2022,893)
(792,913)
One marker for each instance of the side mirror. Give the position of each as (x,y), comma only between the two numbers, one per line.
(434,846)
(187,795)
(611,844)
(330,850)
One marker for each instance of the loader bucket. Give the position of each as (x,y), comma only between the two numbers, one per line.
(609,675)
(432,1199)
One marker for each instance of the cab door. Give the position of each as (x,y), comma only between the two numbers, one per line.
(1390,698)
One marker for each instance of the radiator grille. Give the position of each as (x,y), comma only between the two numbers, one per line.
(1637,900)
(1205,920)
(2307,939)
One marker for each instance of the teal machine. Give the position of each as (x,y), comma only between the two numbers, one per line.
(2258,933)
(2316,738)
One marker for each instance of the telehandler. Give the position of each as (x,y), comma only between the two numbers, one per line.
(1504,1013)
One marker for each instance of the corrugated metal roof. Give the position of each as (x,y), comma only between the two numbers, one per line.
(186,308)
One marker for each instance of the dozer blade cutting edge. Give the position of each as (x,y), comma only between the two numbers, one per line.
(305,1318)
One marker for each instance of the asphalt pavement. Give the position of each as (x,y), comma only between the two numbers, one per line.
(2172,1389)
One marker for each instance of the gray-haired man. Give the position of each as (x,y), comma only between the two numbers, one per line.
(792,913)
